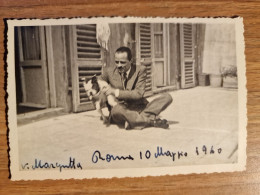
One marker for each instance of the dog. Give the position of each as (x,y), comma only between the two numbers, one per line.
(94,88)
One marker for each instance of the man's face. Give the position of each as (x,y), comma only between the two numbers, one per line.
(122,62)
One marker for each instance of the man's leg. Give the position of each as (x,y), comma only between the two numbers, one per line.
(155,107)
(120,114)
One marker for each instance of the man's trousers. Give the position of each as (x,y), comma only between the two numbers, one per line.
(139,120)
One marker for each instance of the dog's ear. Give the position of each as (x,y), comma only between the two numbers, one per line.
(87,79)
(94,79)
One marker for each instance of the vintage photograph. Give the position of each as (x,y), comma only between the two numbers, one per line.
(125,97)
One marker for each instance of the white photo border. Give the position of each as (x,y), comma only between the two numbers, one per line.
(129,172)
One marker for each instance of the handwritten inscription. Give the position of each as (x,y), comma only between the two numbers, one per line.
(171,154)
(163,153)
(108,157)
(205,150)
(97,156)
(38,164)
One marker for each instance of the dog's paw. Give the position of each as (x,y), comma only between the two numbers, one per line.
(106,120)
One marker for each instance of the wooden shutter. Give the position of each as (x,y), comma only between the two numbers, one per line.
(87,61)
(187,55)
(144,52)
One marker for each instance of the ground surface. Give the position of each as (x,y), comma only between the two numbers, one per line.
(199,116)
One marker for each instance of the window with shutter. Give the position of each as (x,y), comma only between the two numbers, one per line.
(87,61)
(187,55)
(87,46)
(144,51)
(159,55)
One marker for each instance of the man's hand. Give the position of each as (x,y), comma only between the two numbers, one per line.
(109,90)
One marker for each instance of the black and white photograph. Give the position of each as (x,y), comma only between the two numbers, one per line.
(125,97)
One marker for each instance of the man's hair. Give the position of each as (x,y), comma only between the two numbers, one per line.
(125,49)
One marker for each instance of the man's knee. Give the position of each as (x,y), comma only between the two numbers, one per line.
(116,111)
(168,98)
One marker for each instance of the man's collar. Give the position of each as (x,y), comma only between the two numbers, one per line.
(127,72)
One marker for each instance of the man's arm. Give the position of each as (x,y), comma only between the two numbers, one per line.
(138,91)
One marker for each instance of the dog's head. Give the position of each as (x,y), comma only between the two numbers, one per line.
(91,87)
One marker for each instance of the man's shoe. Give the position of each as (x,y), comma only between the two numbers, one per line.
(160,123)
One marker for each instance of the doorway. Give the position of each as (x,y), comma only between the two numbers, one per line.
(32,90)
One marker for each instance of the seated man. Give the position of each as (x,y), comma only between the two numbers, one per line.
(127,83)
